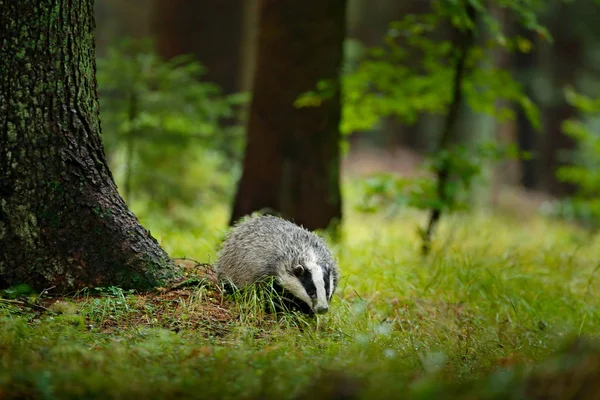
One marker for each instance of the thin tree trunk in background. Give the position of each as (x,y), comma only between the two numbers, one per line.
(449,136)
(248,45)
(62,222)
(506,172)
(527,139)
(566,52)
(524,67)
(292,158)
(555,145)
(210,30)
(116,19)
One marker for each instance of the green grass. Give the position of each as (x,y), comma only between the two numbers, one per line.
(495,293)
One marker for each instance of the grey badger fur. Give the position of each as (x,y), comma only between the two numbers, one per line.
(269,246)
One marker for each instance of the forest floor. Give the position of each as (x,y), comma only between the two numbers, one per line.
(505,307)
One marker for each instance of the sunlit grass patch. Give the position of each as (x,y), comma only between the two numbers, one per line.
(491,288)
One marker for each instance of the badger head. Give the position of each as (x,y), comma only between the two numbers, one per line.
(312,280)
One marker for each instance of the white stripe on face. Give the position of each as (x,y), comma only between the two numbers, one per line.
(317,277)
(293,285)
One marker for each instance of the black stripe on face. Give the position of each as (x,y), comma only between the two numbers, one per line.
(307,282)
(326,281)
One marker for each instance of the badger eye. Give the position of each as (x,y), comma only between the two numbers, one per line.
(298,270)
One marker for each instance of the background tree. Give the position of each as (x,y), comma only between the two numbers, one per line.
(62,222)
(209,30)
(163,134)
(566,51)
(292,157)
(524,67)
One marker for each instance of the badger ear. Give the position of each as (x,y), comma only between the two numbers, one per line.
(298,270)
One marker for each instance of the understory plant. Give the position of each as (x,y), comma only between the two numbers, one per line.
(164,129)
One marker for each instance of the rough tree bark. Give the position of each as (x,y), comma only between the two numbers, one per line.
(62,222)
(292,157)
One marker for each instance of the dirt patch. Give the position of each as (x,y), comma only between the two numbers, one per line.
(192,303)
(367,161)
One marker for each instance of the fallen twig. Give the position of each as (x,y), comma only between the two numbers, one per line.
(26,303)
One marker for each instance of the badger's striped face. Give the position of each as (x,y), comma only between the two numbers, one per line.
(310,282)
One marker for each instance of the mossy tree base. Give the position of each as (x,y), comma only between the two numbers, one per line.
(62,221)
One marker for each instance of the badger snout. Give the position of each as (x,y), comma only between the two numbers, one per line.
(321,309)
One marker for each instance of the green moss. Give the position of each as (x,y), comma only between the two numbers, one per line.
(127,278)
(24,224)
(49,217)
(54,186)
(11,131)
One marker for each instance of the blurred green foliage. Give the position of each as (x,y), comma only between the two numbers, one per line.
(388,82)
(412,74)
(412,77)
(164,129)
(584,171)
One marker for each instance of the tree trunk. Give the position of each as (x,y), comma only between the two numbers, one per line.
(567,53)
(292,157)
(210,30)
(248,45)
(508,171)
(116,19)
(555,147)
(62,222)
(449,136)
(524,67)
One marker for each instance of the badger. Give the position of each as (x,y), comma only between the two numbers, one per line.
(265,246)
